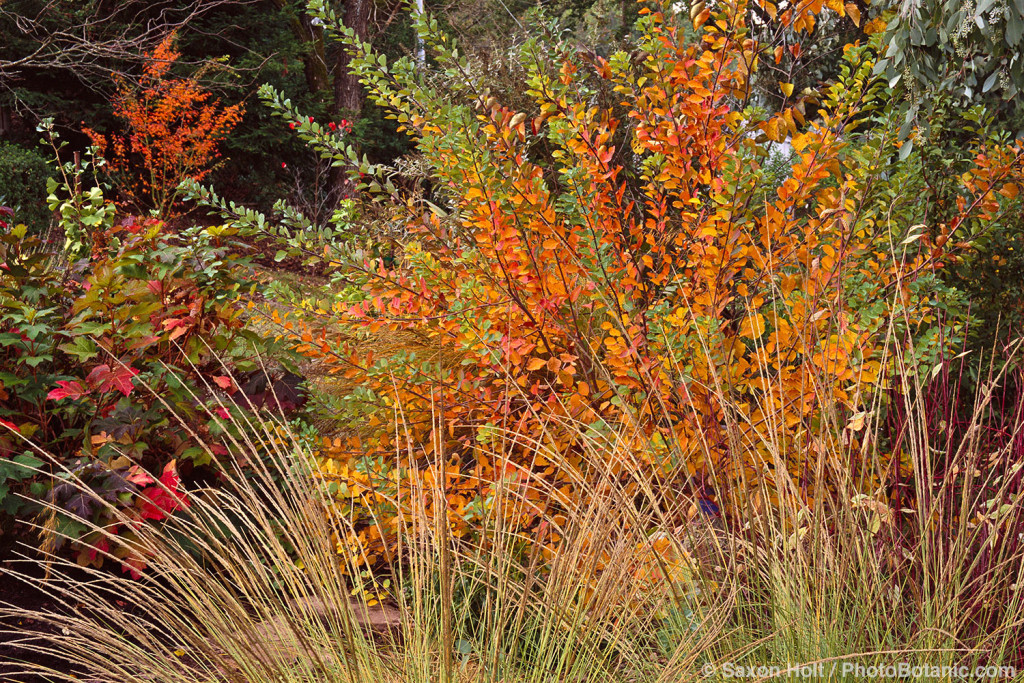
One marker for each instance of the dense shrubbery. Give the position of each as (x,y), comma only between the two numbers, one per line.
(577,331)
(23,174)
(621,266)
(113,363)
(172,132)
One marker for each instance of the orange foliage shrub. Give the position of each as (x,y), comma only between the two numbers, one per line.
(611,266)
(173,129)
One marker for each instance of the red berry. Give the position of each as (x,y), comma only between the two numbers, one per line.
(284,165)
(331,125)
(292,125)
(311,119)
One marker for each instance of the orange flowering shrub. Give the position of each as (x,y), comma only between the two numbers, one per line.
(613,265)
(173,127)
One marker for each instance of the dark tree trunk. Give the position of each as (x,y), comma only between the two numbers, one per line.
(348,93)
(314,60)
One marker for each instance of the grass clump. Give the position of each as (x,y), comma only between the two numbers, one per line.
(247,583)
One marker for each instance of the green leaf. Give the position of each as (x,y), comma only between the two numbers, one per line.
(82,348)
(905,149)
(1014,28)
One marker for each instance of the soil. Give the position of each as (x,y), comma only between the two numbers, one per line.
(24,596)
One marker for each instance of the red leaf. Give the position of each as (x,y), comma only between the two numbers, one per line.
(67,389)
(119,379)
(123,379)
(133,566)
(224,383)
(98,375)
(100,546)
(138,476)
(162,500)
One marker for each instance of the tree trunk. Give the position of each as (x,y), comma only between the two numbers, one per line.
(348,92)
(314,60)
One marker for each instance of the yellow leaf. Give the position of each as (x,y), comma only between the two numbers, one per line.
(857,422)
(787,89)
(752,326)
(876,25)
(854,13)
(787,116)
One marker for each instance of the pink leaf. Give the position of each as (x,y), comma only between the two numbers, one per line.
(138,476)
(67,389)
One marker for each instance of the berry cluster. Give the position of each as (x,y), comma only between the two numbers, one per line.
(344,126)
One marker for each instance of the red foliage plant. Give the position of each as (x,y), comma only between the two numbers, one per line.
(173,127)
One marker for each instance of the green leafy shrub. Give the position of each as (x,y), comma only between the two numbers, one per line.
(957,150)
(114,364)
(23,174)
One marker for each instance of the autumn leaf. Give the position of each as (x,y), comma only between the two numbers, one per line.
(753,326)
(854,13)
(159,501)
(104,379)
(224,382)
(67,389)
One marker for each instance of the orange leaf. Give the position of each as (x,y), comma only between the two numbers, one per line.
(535,364)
